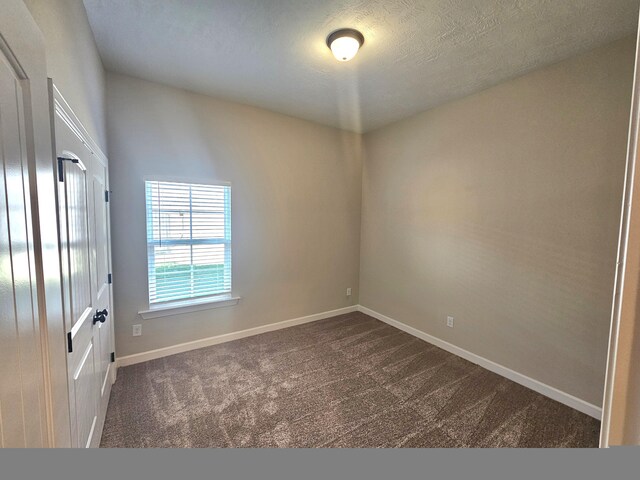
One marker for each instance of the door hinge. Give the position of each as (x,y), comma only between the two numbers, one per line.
(61,168)
(113,357)
(110,278)
(69,342)
(107,195)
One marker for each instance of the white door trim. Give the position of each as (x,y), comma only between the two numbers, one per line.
(620,314)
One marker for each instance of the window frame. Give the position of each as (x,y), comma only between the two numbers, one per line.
(200,302)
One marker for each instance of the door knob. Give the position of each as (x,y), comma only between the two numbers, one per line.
(100,316)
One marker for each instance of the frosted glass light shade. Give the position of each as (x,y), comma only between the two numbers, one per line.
(345,43)
(345,48)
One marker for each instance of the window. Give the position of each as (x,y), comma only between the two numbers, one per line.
(188,241)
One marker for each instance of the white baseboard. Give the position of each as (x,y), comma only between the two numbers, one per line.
(227,337)
(542,388)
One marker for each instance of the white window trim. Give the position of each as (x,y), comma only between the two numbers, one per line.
(188,306)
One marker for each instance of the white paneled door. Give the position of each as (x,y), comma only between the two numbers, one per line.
(83,201)
(23,421)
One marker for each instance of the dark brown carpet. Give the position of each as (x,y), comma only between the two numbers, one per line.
(348,381)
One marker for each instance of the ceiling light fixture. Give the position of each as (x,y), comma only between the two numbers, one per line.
(345,43)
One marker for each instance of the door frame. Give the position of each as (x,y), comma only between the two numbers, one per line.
(621,399)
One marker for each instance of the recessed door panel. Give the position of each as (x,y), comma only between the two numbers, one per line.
(84,385)
(75,182)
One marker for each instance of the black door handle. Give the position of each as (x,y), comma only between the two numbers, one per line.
(100,316)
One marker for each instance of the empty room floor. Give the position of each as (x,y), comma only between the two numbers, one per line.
(347,381)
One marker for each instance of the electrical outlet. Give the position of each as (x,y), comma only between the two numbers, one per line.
(450,322)
(349,292)
(137,330)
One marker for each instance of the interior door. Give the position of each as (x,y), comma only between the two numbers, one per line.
(23,421)
(98,234)
(84,239)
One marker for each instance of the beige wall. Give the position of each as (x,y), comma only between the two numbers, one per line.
(73,61)
(502,210)
(296,197)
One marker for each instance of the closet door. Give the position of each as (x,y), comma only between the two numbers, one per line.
(83,358)
(99,238)
(84,219)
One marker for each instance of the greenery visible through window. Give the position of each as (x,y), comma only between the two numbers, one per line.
(188,240)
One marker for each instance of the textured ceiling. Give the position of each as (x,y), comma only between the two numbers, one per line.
(417,54)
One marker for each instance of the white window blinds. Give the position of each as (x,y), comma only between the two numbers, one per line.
(188,240)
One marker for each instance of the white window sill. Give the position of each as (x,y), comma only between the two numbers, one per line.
(176,308)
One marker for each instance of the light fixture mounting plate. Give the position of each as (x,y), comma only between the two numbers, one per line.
(345,32)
